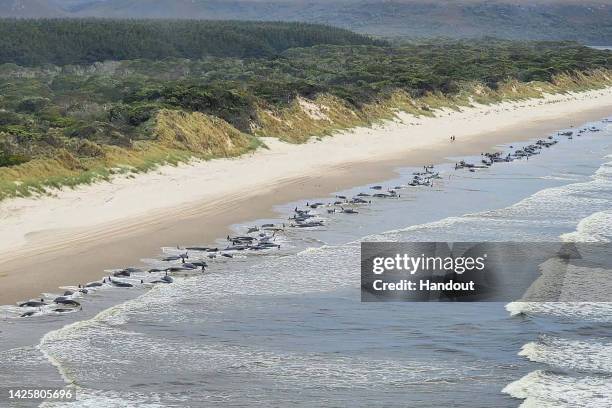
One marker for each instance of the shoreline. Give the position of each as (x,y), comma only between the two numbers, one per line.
(69,239)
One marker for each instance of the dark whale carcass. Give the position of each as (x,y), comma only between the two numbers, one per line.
(65,301)
(33,303)
(164,279)
(120,284)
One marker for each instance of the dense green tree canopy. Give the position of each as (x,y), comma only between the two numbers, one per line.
(62,41)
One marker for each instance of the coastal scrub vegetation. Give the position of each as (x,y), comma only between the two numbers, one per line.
(78,117)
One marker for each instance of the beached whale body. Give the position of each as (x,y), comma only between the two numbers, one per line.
(307,224)
(264,245)
(189,265)
(33,303)
(172,258)
(120,284)
(164,279)
(177,269)
(195,248)
(349,211)
(240,238)
(237,247)
(64,301)
(123,273)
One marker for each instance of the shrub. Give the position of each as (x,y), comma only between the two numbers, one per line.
(32,105)
(7,159)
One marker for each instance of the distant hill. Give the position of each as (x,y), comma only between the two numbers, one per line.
(31,8)
(587,21)
(69,41)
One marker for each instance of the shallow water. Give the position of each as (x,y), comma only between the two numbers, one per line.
(287,328)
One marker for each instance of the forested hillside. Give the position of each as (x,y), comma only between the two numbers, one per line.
(62,41)
(65,124)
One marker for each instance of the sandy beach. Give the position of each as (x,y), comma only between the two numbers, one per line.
(72,236)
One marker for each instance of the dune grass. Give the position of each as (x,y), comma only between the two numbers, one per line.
(180,137)
(297,124)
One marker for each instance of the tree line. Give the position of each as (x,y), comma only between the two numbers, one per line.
(69,41)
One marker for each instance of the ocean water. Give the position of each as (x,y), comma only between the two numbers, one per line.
(286,327)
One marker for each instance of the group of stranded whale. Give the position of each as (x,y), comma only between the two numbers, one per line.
(264,237)
(523,153)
